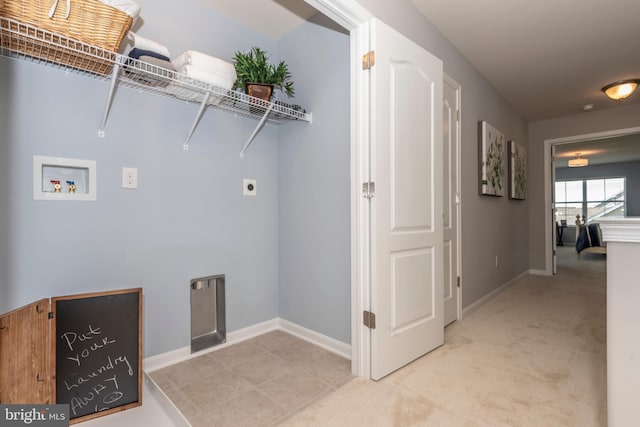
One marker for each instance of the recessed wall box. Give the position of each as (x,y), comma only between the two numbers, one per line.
(208,312)
(56,178)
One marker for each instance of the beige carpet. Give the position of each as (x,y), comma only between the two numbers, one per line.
(532,356)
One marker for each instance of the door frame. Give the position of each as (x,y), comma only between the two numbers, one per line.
(548,180)
(353,17)
(450,80)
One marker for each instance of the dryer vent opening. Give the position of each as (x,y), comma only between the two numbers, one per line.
(208,313)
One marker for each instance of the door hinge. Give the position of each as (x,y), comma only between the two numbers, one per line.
(458,115)
(369,60)
(50,315)
(369,319)
(368,190)
(458,281)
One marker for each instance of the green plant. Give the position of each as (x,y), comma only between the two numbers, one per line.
(253,67)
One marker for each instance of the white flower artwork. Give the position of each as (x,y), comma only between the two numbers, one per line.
(492,166)
(517,171)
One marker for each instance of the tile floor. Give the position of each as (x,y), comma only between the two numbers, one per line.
(258,382)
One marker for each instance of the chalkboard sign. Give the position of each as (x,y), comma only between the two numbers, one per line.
(97,352)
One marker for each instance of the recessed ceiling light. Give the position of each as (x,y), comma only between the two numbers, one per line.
(587,107)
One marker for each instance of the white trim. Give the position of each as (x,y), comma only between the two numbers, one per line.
(537,272)
(453,83)
(172,357)
(360,239)
(482,301)
(347,13)
(328,343)
(625,230)
(547,178)
(158,361)
(352,16)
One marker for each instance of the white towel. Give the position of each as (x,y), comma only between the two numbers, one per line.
(146,44)
(208,68)
(199,74)
(129,7)
(218,81)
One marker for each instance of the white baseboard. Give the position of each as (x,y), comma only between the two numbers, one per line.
(540,272)
(159,361)
(162,360)
(328,343)
(473,307)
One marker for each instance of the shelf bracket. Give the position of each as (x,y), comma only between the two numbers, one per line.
(256,130)
(203,106)
(112,89)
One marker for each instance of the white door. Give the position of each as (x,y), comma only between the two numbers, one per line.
(406,212)
(451,194)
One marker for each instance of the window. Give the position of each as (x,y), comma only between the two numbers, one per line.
(591,198)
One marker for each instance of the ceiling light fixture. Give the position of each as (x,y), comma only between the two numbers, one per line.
(621,89)
(578,162)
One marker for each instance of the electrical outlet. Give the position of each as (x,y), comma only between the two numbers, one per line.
(129,177)
(249,186)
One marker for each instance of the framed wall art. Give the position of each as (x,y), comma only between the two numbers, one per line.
(492,160)
(517,171)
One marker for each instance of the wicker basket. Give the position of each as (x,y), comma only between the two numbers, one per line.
(79,41)
(89,21)
(41,45)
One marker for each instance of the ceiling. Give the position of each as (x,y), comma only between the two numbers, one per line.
(601,151)
(547,58)
(274,18)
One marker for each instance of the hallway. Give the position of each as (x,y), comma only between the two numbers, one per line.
(533,356)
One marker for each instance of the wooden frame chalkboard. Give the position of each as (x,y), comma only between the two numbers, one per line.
(96,340)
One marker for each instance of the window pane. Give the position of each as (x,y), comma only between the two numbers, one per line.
(614,210)
(574,191)
(568,212)
(561,191)
(595,210)
(614,188)
(595,189)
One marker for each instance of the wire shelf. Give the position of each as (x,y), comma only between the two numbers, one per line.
(26,42)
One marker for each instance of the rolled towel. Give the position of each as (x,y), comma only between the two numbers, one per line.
(199,74)
(205,67)
(129,7)
(143,43)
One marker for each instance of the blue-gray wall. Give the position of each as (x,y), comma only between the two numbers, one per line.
(6,79)
(629,170)
(314,211)
(188,218)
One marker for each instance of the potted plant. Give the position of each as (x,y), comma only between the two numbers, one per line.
(259,77)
